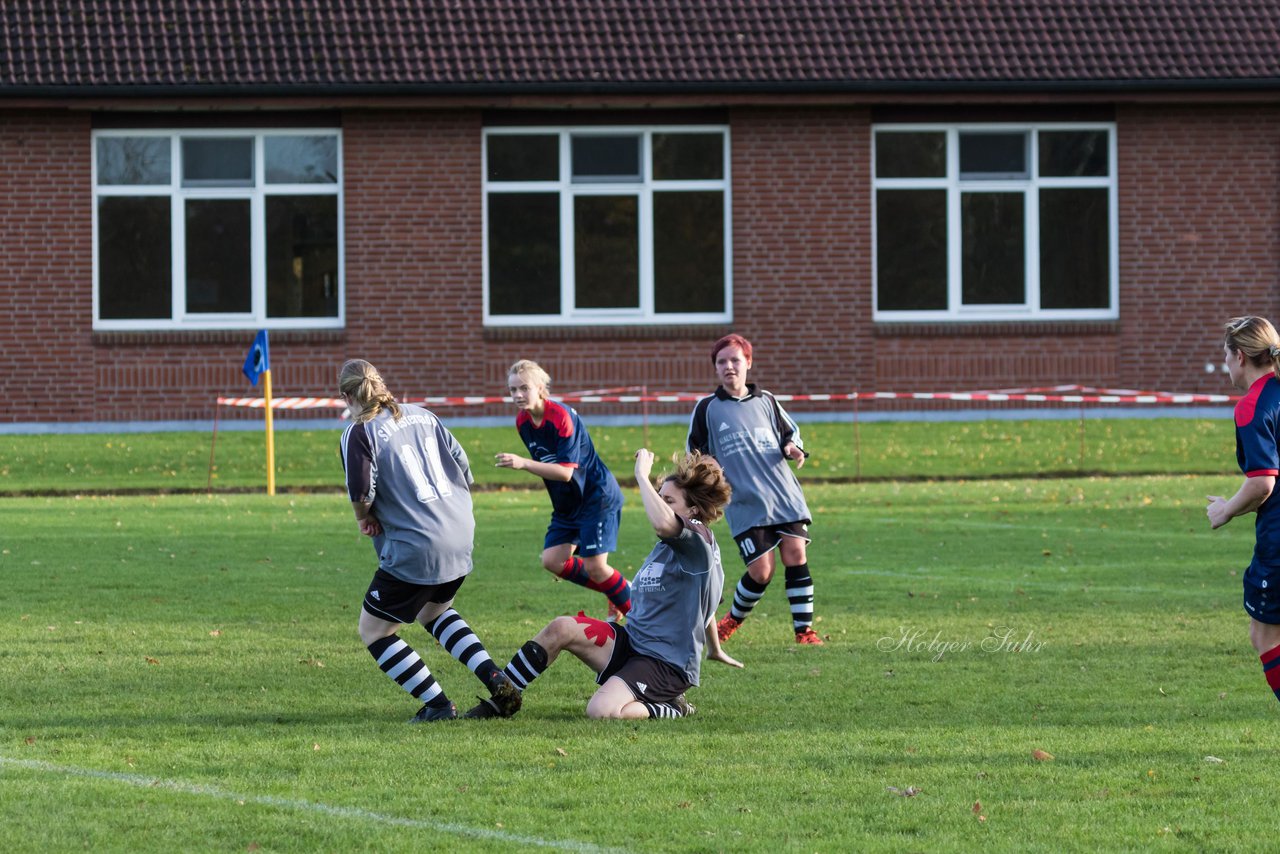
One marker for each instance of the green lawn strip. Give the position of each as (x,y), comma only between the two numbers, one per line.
(209,643)
(149,462)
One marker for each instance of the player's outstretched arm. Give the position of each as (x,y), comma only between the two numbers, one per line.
(714,651)
(546,471)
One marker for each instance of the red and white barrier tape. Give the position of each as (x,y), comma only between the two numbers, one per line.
(1054,394)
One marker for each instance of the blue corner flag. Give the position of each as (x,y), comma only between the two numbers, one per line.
(258,359)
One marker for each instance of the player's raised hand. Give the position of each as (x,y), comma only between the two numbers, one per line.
(644,464)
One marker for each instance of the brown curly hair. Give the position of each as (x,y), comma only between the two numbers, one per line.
(703,483)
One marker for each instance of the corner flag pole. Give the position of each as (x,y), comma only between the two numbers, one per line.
(271,438)
(258,364)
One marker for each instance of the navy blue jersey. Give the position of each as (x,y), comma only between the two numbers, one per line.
(562,439)
(1257,422)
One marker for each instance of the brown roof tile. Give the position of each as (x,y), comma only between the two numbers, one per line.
(651,44)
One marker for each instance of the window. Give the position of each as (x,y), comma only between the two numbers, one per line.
(995,222)
(217,229)
(606,225)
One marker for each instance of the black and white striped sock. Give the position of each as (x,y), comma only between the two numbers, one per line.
(401,664)
(663,710)
(746,596)
(527,664)
(800,595)
(461,642)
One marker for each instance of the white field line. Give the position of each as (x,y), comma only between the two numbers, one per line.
(311,807)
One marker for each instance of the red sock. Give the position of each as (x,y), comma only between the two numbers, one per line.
(1271,669)
(574,571)
(616,588)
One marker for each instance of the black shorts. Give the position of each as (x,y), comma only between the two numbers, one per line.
(755,543)
(397,601)
(649,679)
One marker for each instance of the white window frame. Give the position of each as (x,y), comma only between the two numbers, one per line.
(256,195)
(1030,187)
(642,189)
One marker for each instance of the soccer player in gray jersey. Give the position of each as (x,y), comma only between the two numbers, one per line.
(409,483)
(644,667)
(752,437)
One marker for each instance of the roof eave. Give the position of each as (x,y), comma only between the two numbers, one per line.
(491,89)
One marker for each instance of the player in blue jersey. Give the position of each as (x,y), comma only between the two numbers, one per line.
(1252,351)
(409,484)
(586,502)
(644,667)
(752,437)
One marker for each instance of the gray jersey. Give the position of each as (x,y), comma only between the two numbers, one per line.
(417,478)
(673,597)
(746,436)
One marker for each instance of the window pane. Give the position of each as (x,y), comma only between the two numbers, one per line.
(688,156)
(993,248)
(1073,153)
(606,158)
(302,256)
(911,155)
(911,250)
(135,276)
(218,276)
(133,160)
(606,251)
(993,155)
(688,252)
(524,253)
(301,159)
(1074,268)
(523,157)
(220,162)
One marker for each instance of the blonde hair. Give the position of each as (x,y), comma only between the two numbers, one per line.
(361,382)
(533,371)
(1256,338)
(702,481)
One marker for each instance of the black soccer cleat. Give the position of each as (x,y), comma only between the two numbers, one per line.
(430,714)
(502,703)
(683,706)
(506,697)
(483,710)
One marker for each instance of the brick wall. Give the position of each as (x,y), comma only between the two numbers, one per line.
(1199,236)
(46,268)
(1198,242)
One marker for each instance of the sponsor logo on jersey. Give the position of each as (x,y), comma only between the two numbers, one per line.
(724,425)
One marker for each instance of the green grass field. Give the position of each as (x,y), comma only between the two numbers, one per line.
(305,459)
(182,672)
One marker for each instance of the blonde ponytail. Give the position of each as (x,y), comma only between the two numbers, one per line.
(361,382)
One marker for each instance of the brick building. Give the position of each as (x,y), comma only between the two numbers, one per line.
(882,195)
